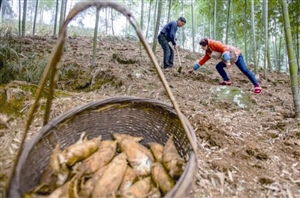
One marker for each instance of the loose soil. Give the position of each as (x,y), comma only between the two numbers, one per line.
(251,152)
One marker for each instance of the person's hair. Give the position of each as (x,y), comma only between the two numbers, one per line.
(203,42)
(181,19)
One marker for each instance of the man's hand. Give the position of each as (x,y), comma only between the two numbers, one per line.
(175,47)
(228,64)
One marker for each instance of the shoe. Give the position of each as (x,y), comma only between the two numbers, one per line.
(228,83)
(257,89)
(179,69)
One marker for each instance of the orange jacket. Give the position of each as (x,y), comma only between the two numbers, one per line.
(217,46)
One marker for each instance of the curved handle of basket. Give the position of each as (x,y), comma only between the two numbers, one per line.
(55,57)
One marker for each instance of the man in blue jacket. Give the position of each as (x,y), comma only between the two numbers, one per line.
(166,35)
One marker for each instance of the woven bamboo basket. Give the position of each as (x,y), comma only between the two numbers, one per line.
(150,119)
(147,118)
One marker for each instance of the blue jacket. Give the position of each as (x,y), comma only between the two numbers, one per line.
(169,30)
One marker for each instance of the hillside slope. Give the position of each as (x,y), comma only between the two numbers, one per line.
(243,152)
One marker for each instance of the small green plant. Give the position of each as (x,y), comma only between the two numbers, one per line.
(32,70)
(8,54)
(14,66)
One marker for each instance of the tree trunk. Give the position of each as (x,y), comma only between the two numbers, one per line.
(193,28)
(106,21)
(127,22)
(209,23)
(245,31)
(215,19)
(55,18)
(266,52)
(228,20)
(170,5)
(204,31)
(157,25)
(183,28)
(275,53)
(41,16)
(292,58)
(279,54)
(269,57)
(297,46)
(24,17)
(30,15)
(61,17)
(65,9)
(183,37)
(142,25)
(142,16)
(2,10)
(280,58)
(35,14)
(253,36)
(275,46)
(149,13)
(112,22)
(155,13)
(95,37)
(259,55)
(20,14)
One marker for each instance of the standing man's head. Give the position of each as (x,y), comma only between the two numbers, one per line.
(204,43)
(181,21)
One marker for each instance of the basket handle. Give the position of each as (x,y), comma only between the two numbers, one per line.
(55,57)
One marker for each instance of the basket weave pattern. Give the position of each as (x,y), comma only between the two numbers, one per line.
(150,119)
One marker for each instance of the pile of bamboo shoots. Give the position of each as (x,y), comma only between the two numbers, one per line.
(118,168)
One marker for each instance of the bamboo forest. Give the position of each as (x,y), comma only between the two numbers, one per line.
(149,98)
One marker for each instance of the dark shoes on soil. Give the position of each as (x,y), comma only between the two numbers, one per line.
(170,66)
(228,83)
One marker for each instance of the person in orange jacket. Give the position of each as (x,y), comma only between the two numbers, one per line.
(229,55)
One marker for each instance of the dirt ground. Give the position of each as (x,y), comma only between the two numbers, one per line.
(251,152)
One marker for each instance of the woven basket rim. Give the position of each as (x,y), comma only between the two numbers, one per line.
(29,145)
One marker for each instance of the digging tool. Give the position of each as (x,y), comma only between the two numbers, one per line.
(179,60)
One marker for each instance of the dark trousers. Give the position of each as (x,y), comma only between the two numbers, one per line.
(241,65)
(168,51)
